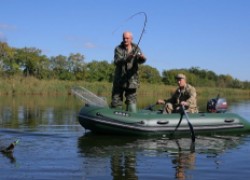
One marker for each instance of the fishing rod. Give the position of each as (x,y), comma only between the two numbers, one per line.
(143,28)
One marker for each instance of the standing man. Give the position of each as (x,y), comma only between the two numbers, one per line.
(127,57)
(185,95)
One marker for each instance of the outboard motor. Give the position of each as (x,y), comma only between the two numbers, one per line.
(217,105)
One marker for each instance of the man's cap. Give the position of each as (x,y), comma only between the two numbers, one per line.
(180,76)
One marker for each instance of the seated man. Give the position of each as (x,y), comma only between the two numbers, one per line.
(185,95)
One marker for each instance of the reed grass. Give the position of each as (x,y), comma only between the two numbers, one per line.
(31,86)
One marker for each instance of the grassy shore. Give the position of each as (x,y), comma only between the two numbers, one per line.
(20,86)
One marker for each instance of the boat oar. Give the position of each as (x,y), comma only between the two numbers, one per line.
(177,124)
(189,123)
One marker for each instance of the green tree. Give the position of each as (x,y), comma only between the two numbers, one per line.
(75,62)
(7,63)
(237,84)
(149,74)
(224,81)
(168,77)
(77,66)
(29,60)
(42,69)
(99,71)
(59,67)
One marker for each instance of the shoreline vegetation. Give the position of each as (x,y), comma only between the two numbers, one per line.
(22,86)
(19,65)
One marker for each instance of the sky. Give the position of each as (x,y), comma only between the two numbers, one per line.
(211,35)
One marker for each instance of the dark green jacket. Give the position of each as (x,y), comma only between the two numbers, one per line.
(126,72)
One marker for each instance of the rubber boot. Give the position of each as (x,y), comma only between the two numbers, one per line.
(132,107)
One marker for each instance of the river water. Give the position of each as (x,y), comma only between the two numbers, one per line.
(52,145)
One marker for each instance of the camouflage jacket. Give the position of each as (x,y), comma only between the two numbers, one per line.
(126,72)
(188,94)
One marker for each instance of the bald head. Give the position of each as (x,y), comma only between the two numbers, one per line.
(127,34)
(127,39)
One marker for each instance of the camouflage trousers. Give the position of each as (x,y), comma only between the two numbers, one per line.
(118,94)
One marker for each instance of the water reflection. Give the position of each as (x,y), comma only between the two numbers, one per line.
(183,160)
(123,152)
(123,165)
(32,111)
(117,149)
(53,146)
(10,156)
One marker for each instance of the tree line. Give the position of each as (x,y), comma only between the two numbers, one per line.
(30,61)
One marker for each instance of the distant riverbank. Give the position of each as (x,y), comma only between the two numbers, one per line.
(32,86)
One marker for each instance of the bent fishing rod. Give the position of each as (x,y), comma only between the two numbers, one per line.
(143,28)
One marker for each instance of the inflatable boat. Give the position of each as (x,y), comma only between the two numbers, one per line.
(98,117)
(149,122)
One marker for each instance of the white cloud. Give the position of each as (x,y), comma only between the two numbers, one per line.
(6,27)
(78,41)
(89,45)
